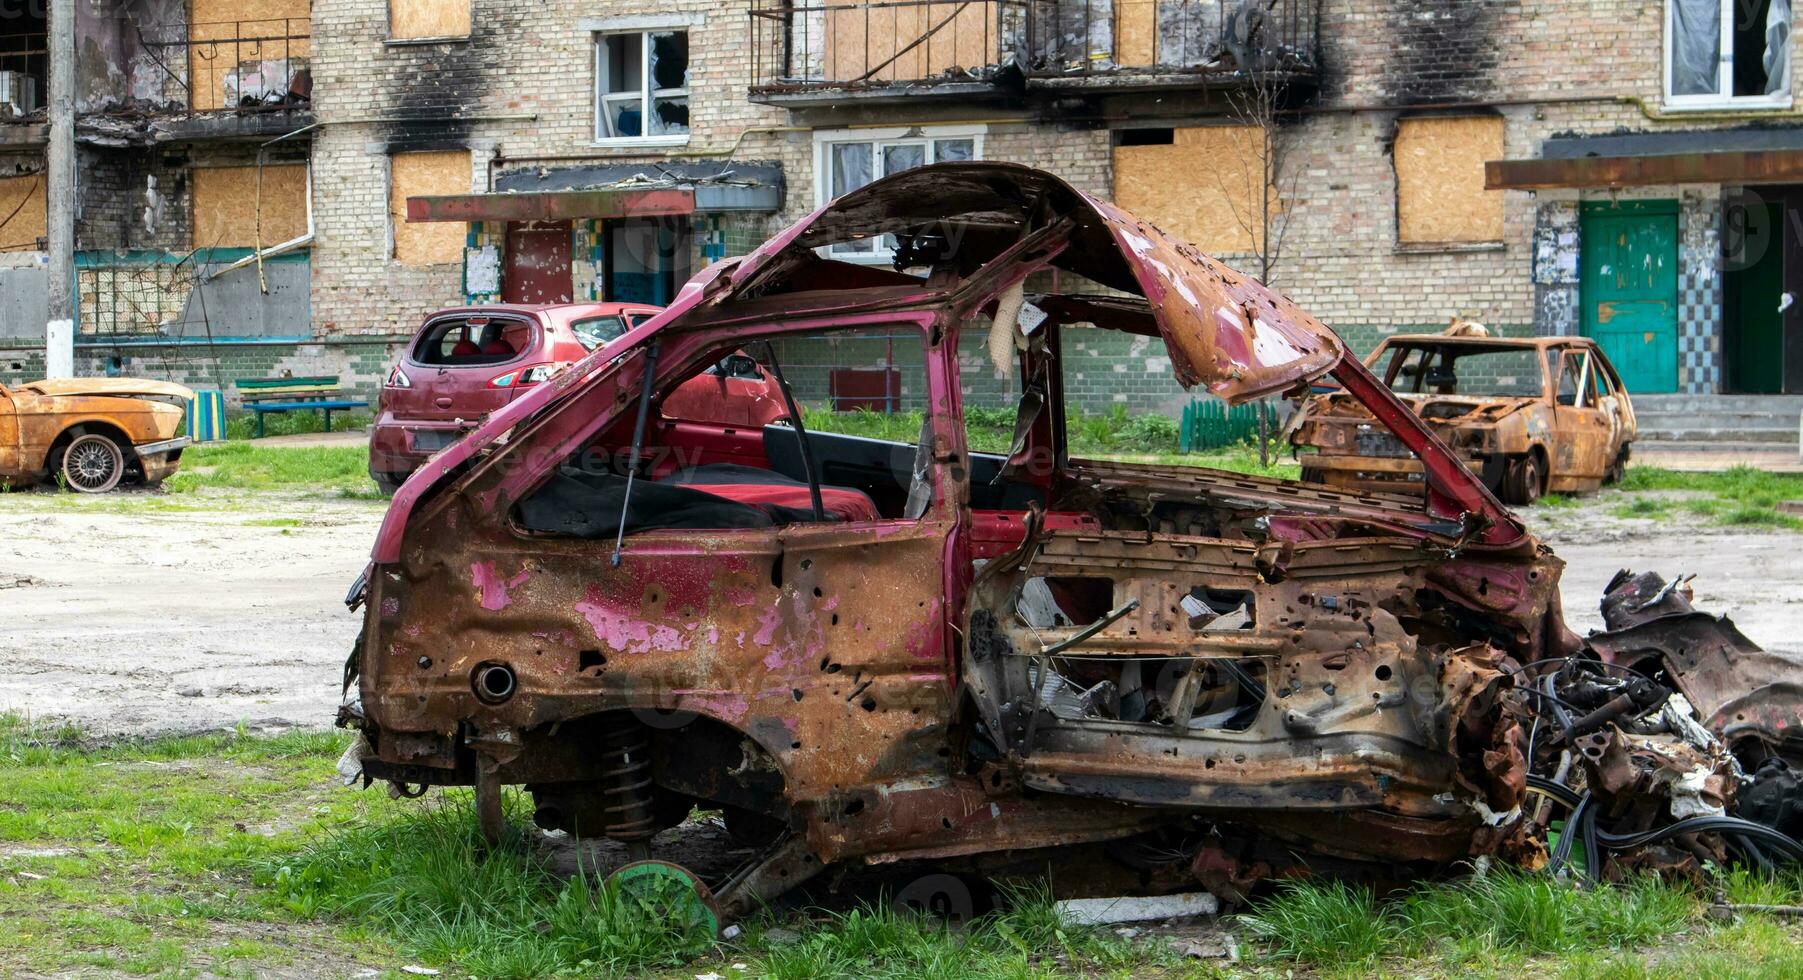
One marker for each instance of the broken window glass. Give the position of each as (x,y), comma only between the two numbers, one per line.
(1720,49)
(854,163)
(642,85)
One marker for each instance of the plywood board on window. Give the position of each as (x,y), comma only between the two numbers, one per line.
(424,175)
(1202,187)
(22,213)
(1135,32)
(1440,195)
(428,18)
(226,206)
(879,43)
(246,50)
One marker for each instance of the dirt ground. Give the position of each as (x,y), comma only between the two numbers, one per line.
(126,617)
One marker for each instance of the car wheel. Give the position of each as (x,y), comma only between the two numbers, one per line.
(1618,469)
(1312,475)
(389,485)
(93,463)
(1526,480)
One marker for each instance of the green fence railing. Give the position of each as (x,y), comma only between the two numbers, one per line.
(1209,424)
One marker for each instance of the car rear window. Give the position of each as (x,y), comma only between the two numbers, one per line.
(472,341)
(597,330)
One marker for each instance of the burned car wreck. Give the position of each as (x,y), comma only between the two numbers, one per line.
(866,652)
(1528,415)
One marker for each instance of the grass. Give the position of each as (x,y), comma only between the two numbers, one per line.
(1509,918)
(232,853)
(1741,496)
(339,471)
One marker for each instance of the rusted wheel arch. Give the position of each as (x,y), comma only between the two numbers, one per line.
(53,459)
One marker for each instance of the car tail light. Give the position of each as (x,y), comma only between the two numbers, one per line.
(528,376)
(397,378)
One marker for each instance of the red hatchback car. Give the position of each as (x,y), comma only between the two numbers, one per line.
(467,362)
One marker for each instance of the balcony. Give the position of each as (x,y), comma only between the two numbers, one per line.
(884,50)
(246,66)
(809,52)
(24,66)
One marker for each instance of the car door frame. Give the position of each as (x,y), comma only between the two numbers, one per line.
(1583,430)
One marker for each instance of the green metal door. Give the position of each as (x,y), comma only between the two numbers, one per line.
(1630,290)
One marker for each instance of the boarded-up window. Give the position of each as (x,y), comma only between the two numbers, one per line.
(1202,187)
(428,18)
(22,225)
(1440,196)
(901,42)
(248,53)
(426,175)
(226,206)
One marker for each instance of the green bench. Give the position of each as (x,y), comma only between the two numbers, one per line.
(266,395)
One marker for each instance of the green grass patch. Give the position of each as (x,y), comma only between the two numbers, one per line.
(1503,915)
(341,471)
(1741,496)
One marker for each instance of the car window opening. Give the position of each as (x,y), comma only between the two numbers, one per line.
(723,450)
(472,342)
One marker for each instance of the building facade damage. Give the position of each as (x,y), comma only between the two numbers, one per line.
(867,652)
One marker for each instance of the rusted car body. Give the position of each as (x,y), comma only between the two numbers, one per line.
(1014,653)
(90,434)
(1531,415)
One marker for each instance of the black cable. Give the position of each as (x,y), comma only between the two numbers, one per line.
(1758,832)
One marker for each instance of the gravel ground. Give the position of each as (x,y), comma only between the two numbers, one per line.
(127,617)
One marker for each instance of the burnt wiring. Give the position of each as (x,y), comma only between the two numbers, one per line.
(1599,741)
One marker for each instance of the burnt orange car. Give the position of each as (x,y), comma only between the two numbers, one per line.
(91,434)
(1532,415)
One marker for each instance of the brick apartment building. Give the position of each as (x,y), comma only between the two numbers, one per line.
(1629,169)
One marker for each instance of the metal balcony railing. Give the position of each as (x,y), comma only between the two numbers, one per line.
(241,65)
(805,45)
(799,45)
(24,67)
(1235,39)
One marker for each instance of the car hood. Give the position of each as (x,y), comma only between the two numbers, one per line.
(115,387)
(1225,331)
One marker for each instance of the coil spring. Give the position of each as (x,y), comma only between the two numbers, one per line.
(626,781)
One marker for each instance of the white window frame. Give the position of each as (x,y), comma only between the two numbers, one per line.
(646,92)
(927,136)
(1724,81)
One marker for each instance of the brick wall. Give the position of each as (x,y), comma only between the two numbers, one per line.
(520,89)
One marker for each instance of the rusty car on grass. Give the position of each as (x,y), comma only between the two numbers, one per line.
(865,652)
(1530,415)
(91,434)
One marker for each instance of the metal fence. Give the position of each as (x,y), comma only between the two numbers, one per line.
(1210,424)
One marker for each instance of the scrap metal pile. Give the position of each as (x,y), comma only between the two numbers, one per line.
(1671,748)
